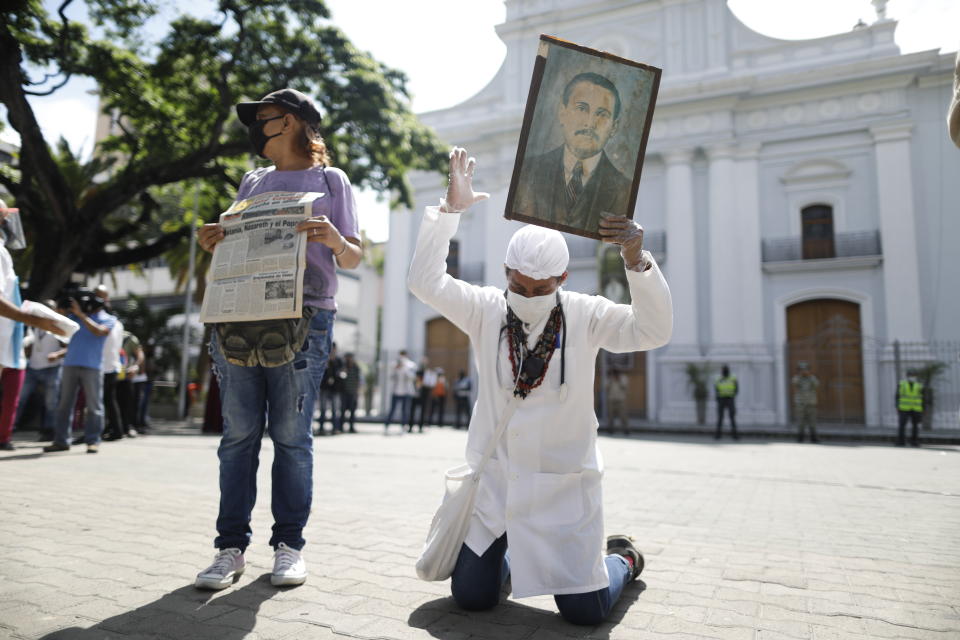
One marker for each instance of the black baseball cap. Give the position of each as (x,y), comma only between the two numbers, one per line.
(291,99)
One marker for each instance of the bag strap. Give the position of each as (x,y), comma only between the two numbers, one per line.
(501,427)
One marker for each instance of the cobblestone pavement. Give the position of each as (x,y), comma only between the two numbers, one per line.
(753,540)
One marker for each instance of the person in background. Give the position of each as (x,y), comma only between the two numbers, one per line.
(330,388)
(726,388)
(617,387)
(143,388)
(112,367)
(402,391)
(44,366)
(462,389)
(350,383)
(12,321)
(805,386)
(439,397)
(132,367)
(427,378)
(82,368)
(910,407)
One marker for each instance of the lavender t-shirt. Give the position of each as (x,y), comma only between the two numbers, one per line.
(338,204)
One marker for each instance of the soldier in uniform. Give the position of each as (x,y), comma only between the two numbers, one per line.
(805,401)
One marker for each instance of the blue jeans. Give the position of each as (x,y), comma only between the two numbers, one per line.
(70,381)
(477,581)
(280,400)
(404,403)
(49,378)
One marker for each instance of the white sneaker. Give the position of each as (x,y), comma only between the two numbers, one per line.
(288,567)
(227,566)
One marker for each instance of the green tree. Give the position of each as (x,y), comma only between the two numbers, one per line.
(172,99)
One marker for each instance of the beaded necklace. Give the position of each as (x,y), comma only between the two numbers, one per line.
(533,362)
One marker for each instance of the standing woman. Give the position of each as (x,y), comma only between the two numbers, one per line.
(284,127)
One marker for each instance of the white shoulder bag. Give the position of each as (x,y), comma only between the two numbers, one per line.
(449,526)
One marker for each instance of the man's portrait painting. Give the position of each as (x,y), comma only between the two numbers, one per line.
(583,139)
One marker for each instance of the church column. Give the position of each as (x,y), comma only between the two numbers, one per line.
(681,263)
(901,275)
(396,296)
(725,300)
(750,273)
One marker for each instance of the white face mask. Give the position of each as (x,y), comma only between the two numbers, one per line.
(531,310)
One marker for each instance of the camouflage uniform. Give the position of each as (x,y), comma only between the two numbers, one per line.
(805,404)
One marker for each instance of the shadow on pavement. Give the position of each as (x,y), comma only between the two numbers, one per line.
(185,614)
(444,619)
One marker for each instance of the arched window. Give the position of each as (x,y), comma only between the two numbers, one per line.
(817,231)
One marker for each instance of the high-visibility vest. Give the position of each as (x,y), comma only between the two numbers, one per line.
(726,387)
(910,396)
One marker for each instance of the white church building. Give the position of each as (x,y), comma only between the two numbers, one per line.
(802,198)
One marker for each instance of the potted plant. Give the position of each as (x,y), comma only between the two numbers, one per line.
(698,382)
(927,376)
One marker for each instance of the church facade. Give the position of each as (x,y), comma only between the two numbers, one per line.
(802,197)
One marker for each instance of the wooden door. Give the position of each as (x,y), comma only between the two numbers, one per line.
(825,333)
(447,347)
(635,366)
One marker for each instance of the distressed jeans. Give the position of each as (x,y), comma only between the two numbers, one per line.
(477,581)
(279,400)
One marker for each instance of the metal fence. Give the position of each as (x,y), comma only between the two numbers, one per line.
(846,245)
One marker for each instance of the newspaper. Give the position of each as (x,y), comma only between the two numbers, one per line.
(257,269)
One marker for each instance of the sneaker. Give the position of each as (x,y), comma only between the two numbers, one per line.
(7,446)
(228,565)
(92,448)
(288,567)
(623,546)
(56,446)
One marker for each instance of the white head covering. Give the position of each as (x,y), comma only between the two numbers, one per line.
(537,252)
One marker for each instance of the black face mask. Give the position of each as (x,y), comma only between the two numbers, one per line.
(258,138)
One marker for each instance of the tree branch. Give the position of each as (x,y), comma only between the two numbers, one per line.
(62,39)
(35,158)
(121,191)
(98,259)
(147,206)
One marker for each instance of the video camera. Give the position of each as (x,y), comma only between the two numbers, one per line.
(89,301)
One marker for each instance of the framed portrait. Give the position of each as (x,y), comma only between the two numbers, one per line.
(583,138)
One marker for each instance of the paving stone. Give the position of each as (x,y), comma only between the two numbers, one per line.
(768,541)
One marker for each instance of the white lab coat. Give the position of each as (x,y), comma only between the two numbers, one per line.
(542,486)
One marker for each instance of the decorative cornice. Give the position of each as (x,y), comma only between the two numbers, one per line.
(892,132)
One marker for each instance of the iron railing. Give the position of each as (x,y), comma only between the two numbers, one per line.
(846,245)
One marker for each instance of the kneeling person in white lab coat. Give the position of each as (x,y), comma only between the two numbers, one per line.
(541,489)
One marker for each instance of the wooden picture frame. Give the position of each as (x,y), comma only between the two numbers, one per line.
(587,118)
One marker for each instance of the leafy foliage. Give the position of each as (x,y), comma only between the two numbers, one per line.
(170,101)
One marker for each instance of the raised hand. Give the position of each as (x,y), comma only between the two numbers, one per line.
(460,194)
(629,235)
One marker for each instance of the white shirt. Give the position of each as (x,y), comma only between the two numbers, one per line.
(402,377)
(44,344)
(11,356)
(111,349)
(542,486)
